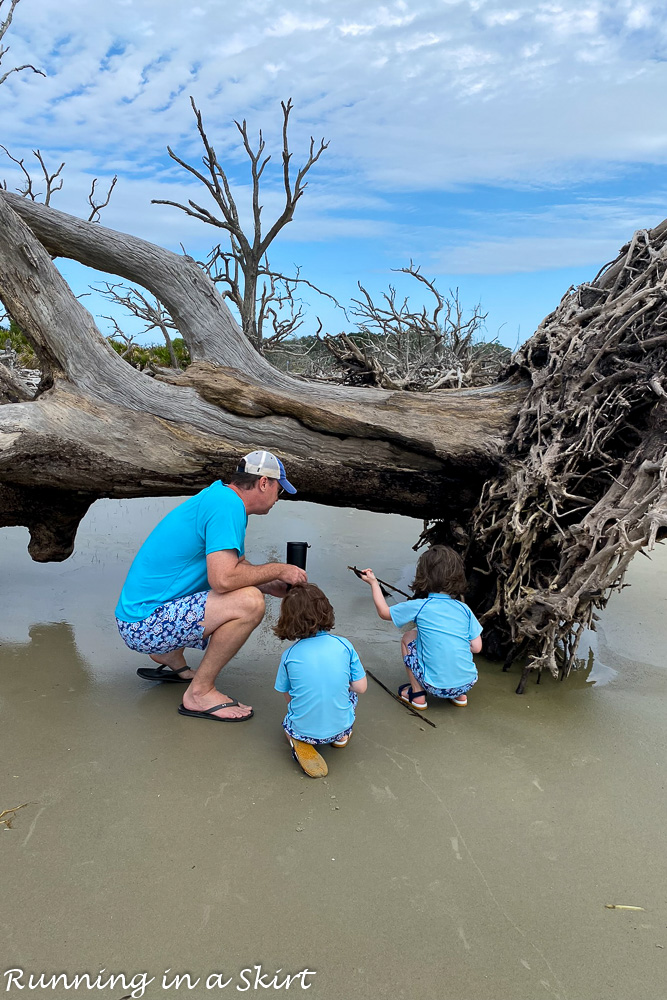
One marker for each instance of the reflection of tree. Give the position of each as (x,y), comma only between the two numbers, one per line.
(52,648)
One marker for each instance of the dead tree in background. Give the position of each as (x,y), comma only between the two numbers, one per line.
(242,268)
(398,347)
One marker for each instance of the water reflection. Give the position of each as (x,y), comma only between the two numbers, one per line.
(69,606)
(50,654)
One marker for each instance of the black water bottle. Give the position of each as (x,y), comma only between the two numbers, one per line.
(296,554)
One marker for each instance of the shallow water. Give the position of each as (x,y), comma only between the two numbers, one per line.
(472,860)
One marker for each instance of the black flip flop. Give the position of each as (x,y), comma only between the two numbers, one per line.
(216,718)
(164,673)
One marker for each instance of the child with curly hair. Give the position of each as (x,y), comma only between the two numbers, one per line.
(438,653)
(320,676)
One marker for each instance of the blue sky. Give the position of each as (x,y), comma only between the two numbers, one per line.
(510,149)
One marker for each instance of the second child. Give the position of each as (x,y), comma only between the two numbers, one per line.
(438,653)
(320,676)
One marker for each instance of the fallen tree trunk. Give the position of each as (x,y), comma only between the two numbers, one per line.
(549,481)
(105,430)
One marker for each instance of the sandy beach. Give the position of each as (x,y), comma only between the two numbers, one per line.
(473,859)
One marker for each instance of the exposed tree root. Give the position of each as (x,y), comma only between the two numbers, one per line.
(586,483)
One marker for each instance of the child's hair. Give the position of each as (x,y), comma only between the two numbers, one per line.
(304,611)
(440,571)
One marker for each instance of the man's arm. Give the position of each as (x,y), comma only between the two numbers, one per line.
(227,572)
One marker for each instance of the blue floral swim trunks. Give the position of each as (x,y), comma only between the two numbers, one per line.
(412,663)
(173,625)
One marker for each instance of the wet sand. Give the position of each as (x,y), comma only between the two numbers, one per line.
(471,861)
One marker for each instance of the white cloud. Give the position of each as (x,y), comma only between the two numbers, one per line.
(494,93)
(289,22)
(414,96)
(502,17)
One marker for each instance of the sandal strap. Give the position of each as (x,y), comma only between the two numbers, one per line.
(225,704)
(163,666)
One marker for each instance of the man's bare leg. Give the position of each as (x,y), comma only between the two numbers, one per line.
(228,621)
(174,659)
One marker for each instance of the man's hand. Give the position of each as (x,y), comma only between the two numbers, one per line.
(293,575)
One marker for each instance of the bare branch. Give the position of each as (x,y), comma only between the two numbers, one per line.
(27,191)
(146,308)
(4,49)
(95,207)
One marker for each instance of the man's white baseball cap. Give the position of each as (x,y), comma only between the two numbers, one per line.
(263,463)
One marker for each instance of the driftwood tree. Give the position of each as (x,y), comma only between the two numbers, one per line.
(552,478)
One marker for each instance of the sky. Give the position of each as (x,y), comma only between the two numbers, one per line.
(508,149)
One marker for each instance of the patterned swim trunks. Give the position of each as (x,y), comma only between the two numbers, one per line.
(173,625)
(412,663)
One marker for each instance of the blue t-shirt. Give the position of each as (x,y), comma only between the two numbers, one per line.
(445,629)
(172,561)
(317,672)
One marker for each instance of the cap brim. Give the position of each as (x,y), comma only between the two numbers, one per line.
(287,486)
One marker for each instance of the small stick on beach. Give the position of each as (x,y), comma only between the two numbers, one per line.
(7,823)
(384,687)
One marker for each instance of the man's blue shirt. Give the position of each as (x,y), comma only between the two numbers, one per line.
(445,629)
(172,561)
(317,672)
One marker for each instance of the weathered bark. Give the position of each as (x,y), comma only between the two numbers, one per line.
(106,430)
(12,389)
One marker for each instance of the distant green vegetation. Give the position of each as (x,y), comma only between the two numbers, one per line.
(15,340)
(141,355)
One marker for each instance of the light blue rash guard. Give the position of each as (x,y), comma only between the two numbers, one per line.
(172,561)
(317,672)
(445,629)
